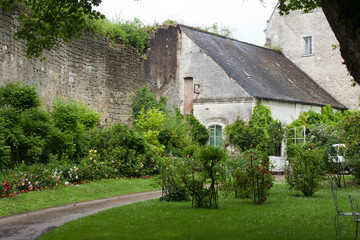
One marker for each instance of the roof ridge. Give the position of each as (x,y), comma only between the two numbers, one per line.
(198,29)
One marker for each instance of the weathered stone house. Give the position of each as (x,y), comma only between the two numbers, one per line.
(221,79)
(307,40)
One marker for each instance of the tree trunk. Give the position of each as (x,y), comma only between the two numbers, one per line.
(344,18)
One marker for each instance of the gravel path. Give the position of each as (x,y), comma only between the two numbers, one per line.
(31,225)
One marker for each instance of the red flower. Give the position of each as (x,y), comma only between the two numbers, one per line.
(148,176)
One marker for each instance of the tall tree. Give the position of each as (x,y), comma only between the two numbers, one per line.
(344,19)
(45,21)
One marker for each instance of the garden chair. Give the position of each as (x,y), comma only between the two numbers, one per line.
(340,212)
(355,213)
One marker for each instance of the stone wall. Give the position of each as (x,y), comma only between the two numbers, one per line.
(325,64)
(90,70)
(162,63)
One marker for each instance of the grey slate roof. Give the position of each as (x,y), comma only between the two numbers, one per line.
(263,73)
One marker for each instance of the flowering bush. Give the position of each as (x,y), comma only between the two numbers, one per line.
(177,174)
(250,177)
(25,178)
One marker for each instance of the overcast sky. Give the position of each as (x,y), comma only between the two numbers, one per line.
(245,18)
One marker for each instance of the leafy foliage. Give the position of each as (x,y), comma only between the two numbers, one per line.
(214,28)
(123,148)
(19,97)
(72,120)
(251,177)
(133,32)
(177,176)
(176,135)
(144,98)
(262,132)
(4,149)
(304,168)
(210,160)
(351,125)
(45,21)
(184,176)
(200,133)
(32,135)
(306,5)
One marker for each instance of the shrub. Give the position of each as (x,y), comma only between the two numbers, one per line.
(250,176)
(210,159)
(351,124)
(144,98)
(72,120)
(150,122)
(19,97)
(4,149)
(24,127)
(200,134)
(177,176)
(129,32)
(304,168)
(24,178)
(262,133)
(178,135)
(124,149)
(184,176)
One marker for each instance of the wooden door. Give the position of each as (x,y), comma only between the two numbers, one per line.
(188,95)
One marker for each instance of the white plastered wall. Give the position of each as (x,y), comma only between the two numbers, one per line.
(288,112)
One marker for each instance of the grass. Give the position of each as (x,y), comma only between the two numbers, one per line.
(76,193)
(285,215)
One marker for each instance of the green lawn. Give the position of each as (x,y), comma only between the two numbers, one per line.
(285,215)
(76,193)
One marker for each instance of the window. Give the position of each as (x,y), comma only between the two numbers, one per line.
(215,135)
(308,45)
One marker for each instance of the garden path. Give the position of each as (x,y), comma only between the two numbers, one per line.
(32,224)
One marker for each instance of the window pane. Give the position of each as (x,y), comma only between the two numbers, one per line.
(308,45)
(218,141)
(215,135)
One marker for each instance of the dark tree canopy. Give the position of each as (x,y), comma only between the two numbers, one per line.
(344,19)
(45,21)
